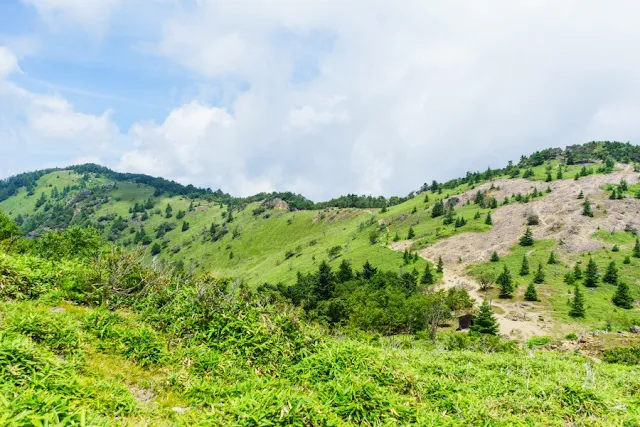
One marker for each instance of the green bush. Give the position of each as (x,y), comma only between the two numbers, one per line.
(535,342)
(52,330)
(623,355)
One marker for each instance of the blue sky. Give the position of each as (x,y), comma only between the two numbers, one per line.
(322,98)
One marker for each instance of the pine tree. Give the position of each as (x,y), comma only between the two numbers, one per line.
(368,271)
(440,265)
(569,279)
(527,238)
(325,282)
(559,174)
(591,275)
(531,294)
(438,209)
(411,234)
(426,198)
(611,275)
(539,277)
(168,211)
(577,303)
(524,269)
(552,258)
(396,238)
(477,215)
(494,257)
(488,220)
(427,276)
(155,249)
(485,322)
(627,260)
(549,177)
(586,210)
(505,282)
(185,226)
(345,272)
(230,216)
(622,297)
(580,195)
(636,249)
(577,272)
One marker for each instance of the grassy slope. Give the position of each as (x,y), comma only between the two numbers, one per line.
(340,382)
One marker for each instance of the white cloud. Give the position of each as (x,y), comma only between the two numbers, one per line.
(91,15)
(8,62)
(44,130)
(327,98)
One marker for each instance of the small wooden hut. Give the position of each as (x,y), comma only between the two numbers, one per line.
(465,321)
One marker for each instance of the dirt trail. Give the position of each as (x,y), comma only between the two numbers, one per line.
(517,320)
(560,214)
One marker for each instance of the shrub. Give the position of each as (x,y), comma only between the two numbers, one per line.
(623,355)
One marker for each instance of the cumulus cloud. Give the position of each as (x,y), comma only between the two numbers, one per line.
(91,15)
(328,98)
(43,130)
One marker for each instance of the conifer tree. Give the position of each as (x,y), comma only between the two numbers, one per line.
(569,279)
(345,272)
(552,258)
(636,249)
(426,198)
(230,216)
(580,195)
(524,269)
(396,238)
(411,234)
(577,303)
(622,297)
(527,238)
(505,282)
(440,265)
(531,294)
(559,174)
(488,220)
(577,272)
(155,249)
(185,226)
(549,177)
(368,271)
(626,260)
(611,275)
(168,211)
(586,210)
(485,322)
(427,276)
(494,257)
(539,277)
(477,215)
(438,209)
(591,275)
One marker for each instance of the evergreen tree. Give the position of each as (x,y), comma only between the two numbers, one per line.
(485,322)
(494,257)
(552,258)
(527,238)
(591,275)
(586,210)
(549,177)
(345,272)
(626,260)
(411,234)
(325,282)
(185,226)
(168,211)
(191,208)
(426,198)
(440,265)
(622,297)
(577,303)
(611,275)
(155,249)
(427,276)
(531,294)
(524,269)
(212,229)
(559,174)
(539,277)
(505,282)
(577,272)
(580,195)
(438,209)
(569,279)
(368,271)
(230,216)
(414,210)
(396,238)
(636,249)
(488,220)
(477,215)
